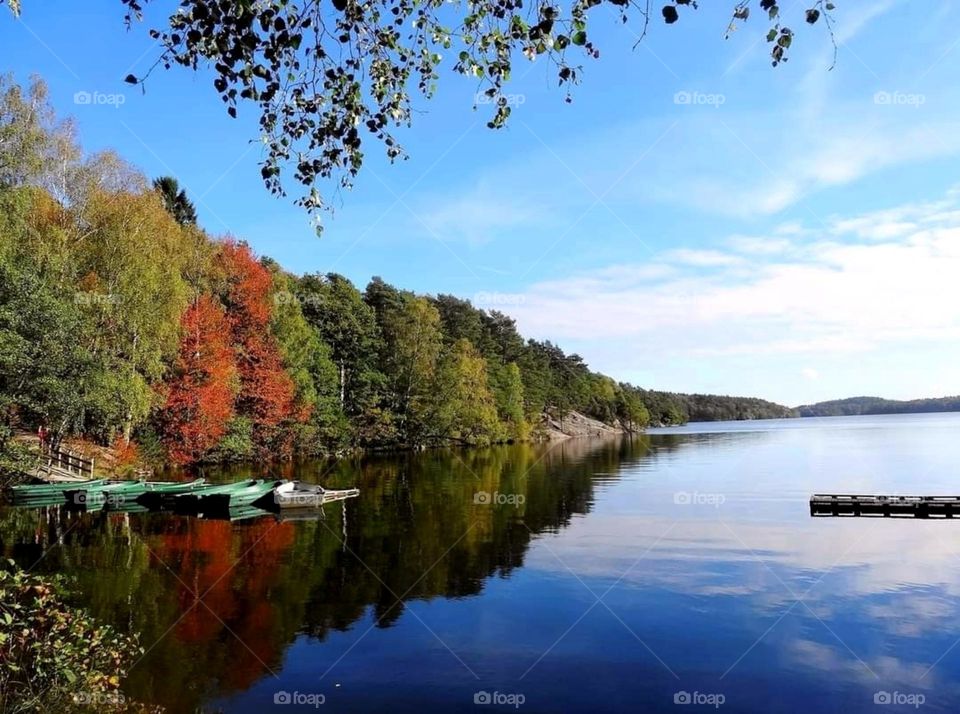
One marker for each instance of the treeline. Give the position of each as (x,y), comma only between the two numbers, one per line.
(877,405)
(123,322)
(674,408)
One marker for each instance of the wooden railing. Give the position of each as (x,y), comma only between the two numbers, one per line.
(68,461)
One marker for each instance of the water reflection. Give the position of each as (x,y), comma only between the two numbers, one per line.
(595,589)
(228,598)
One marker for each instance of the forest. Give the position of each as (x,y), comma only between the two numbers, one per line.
(124,323)
(877,405)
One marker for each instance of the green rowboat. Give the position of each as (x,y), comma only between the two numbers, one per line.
(33,491)
(117,494)
(190,502)
(250,495)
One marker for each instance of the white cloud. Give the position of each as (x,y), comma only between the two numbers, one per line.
(820,297)
(759,245)
(482,213)
(701,258)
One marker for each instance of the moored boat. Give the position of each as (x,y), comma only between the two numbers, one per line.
(190,502)
(159,492)
(297,494)
(41,491)
(250,495)
(98,496)
(117,494)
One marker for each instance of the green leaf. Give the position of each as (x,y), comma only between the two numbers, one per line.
(579,38)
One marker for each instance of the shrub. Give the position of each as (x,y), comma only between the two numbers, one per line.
(55,657)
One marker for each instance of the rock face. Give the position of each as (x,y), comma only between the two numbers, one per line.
(576,424)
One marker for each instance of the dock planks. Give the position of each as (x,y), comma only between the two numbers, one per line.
(853,505)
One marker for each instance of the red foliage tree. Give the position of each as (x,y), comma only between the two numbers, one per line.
(200,398)
(266,390)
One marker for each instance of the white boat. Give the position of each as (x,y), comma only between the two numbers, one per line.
(297,494)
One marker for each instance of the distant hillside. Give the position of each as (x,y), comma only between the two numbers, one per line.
(876,405)
(677,408)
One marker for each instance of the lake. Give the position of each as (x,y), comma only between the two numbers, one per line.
(675,571)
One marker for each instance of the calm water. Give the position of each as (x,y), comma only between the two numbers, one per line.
(597,576)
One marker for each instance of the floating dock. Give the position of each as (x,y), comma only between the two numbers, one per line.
(885,506)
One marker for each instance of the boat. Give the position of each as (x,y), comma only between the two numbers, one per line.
(190,502)
(116,494)
(251,495)
(33,491)
(297,494)
(97,496)
(160,492)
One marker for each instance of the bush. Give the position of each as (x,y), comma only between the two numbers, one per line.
(15,458)
(54,657)
(237,444)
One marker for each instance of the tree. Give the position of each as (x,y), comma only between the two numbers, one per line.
(130,290)
(43,366)
(337,310)
(200,395)
(412,343)
(31,138)
(507,385)
(266,390)
(631,412)
(307,359)
(465,409)
(321,76)
(176,201)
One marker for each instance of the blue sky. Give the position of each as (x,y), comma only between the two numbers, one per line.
(696,220)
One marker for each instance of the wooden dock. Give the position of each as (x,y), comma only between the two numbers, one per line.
(62,465)
(885,506)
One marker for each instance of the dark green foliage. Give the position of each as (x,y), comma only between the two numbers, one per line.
(43,367)
(877,405)
(175,200)
(322,77)
(673,408)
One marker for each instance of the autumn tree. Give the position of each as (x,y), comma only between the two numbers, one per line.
(266,391)
(201,392)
